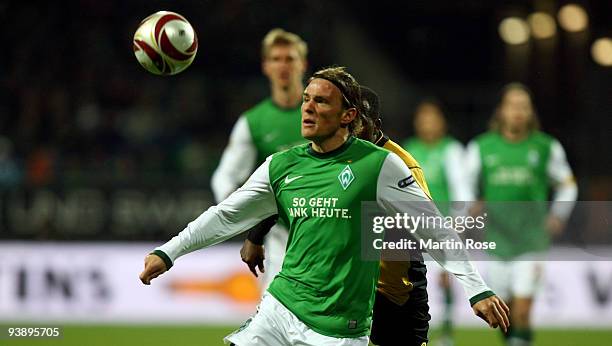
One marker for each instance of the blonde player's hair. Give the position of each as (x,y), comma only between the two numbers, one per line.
(495,123)
(280,37)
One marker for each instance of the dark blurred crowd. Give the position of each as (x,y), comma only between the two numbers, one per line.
(81,118)
(76,108)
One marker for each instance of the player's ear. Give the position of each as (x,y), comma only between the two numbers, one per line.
(348,116)
(264,67)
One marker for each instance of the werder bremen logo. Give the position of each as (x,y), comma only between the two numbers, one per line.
(346,177)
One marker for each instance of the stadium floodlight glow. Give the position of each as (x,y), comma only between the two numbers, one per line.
(573,18)
(601,50)
(514,30)
(542,25)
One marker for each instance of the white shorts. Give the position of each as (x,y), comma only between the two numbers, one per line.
(275,245)
(275,325)
(519,278)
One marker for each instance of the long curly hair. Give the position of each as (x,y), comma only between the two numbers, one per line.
(496,122)
(351,94)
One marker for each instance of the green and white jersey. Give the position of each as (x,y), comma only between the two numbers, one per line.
(523,172)
(441,163)
(323,280)
(260,132)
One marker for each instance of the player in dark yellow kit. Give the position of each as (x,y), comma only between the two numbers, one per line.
(401,309)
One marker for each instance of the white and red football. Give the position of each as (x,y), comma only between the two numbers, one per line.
(165,43)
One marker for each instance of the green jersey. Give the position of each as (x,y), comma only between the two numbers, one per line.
(323,280)
(319,197)
(515,178)
(260,132)
(441,163)
(273,129)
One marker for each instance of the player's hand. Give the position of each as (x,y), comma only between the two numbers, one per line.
(154,266)
(253,255)
(554,225)
(494,311)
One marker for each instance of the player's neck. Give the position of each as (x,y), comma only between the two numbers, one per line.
(514,135)
(331,143)
(289,97)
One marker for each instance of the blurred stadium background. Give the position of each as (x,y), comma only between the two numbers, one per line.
(100,160)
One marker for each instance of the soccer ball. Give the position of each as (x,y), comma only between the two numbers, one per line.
(165,43)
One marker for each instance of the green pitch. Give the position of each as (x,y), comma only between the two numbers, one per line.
(212,336)
(543,337)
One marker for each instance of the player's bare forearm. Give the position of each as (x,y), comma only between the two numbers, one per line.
(252,251)
(494,311)
(258,232)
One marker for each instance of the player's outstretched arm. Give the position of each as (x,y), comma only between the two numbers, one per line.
(494,311)
(396,196)
(248,205)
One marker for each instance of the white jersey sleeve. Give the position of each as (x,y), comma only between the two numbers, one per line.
(237,161)
(455,173)
(244,208)
(395,197)
(561,176)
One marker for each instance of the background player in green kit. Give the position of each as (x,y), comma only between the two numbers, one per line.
(516,162)
(324,292)
(272,125)
(439,154)
(441,157)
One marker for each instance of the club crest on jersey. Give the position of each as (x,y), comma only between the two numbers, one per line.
(346,177)
(405,182)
